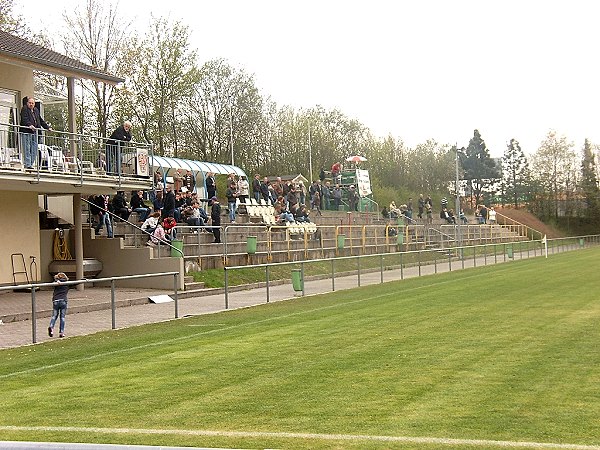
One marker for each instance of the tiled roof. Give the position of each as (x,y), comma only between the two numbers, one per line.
(23,50)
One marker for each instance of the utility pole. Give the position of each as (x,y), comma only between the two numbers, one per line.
(310,155)
(457,213)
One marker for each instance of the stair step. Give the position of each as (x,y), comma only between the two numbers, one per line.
(194,285)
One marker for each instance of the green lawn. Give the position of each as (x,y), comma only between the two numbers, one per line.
(507,352)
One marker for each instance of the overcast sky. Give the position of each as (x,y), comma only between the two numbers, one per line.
(416,70)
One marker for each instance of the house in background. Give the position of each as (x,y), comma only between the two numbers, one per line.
(68,169)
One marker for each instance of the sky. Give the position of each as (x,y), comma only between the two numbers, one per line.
(415,70)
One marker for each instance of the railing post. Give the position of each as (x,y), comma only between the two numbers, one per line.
(358,270)
(33,316)
(175,294)
(401,266)
(267,282)
(381,266)
(333,273)
(302,275)
(113,305)
(419,261)
(226,288)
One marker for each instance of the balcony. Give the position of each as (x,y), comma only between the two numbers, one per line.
(67,163)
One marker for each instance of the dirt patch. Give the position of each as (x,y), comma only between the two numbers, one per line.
(526,218)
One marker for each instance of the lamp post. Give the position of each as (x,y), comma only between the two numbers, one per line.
(310,169)
(457,215)
(231,128)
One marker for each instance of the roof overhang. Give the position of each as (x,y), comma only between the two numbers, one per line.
(165,163)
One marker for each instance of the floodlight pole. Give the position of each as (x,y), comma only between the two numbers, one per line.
(310,169)
(457,214)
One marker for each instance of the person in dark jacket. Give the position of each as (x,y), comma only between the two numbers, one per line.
(31,120)
(211,185)
(138,205)
(215,215)
(169,205)
(256,187)
(114,146)
(120,207)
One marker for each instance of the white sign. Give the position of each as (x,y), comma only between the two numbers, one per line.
(363,182)
(160,299)
(142,162)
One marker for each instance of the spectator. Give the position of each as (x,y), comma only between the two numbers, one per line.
(353,198)
(492,216)
(264,190)
(483,212)
(158,203)
(103,204)
(326,189)
(256,187)
(159,236)
(215,215)
(197,217)
(409,209)
(384,213)
(178,180)
(231,194)
(243,189)
(421,206)
(211,185)
(151,222)
(429,212)
(138,206)
(322,175)
(302,193)
(189,182)
(31,122)
(169,203)
(59,304)
(337,197)
(114,146)
(336,171)
(120,207)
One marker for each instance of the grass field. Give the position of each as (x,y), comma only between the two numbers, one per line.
(497,353)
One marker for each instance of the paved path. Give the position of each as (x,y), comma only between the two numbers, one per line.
(19,332)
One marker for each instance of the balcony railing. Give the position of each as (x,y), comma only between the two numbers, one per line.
(72,154)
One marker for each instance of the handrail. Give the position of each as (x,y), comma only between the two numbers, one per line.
(516,222)
(134,225)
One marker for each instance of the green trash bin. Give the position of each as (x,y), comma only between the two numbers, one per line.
(581,243)
(509,251)
(297,281)
(341,241)
(251,245)
(400,237)
(178,244)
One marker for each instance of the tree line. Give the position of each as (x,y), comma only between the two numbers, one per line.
(216,112)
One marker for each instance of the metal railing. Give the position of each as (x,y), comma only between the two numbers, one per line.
(420,262)
(524,230)
(73,155)
(33,287)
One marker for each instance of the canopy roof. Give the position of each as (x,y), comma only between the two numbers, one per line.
(166,163)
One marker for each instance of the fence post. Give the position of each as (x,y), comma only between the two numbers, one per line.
(419,261)
(332,275)
(401,266)
(381,266)
(33,316)
(358,269)
(112,304)
(302,275)
(226,288)
(267,280)
(175,289)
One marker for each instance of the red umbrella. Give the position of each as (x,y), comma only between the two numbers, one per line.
(356,159)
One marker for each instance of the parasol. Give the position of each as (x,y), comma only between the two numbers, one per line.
(356,159)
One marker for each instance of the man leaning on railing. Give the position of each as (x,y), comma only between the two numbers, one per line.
(31,120)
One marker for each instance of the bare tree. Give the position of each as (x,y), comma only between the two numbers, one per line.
(97,35)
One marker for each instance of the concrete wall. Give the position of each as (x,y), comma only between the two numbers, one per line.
(17,79)
(118,261)
(20,227)
(61,206)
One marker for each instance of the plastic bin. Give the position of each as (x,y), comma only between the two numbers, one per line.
(178,244)
(400,237)
(297,281)
(509,251)
(251,245)
(581,243)
(341,241)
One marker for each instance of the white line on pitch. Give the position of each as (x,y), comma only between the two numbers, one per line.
(328,437)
